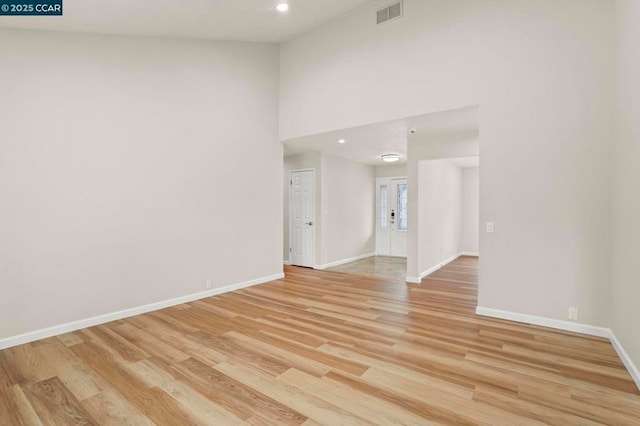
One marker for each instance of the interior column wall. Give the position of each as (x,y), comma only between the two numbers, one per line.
(626,183)
(348,209)
(440,213)
(470,210)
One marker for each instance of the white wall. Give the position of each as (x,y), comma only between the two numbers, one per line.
(440,212)
(130,172)
(348,209)
(542,73)
(309,160)
(626,182)
(391,170)
(470,210)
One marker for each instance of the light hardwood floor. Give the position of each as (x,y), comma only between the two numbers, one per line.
(320,348)
(394,268)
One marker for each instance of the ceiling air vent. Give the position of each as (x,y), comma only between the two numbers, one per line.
(388,13)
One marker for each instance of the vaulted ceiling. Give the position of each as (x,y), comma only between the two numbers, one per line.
(238,20)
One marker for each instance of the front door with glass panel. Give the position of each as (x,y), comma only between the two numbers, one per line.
(391,217)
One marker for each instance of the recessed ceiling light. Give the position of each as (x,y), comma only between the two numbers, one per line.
(282,7)
(390,158)
(342,141)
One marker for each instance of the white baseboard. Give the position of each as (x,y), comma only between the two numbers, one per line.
(626,359)
(32,336)
(568,326)
(286,262)
(343,261)
(576,327)
(470,253)
(418,280)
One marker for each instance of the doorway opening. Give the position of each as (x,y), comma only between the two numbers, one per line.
(366,215)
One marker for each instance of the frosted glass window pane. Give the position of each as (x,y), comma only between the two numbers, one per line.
(402,207)
(384,211)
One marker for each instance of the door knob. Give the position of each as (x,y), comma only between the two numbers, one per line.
(309,223)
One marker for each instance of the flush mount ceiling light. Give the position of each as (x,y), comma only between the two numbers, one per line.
(342,141)
(283,6)
(390,158)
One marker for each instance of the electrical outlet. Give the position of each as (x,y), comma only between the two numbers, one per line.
(490,227)
(209,283)
(573,314)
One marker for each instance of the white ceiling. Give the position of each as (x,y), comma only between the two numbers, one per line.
(467,162)
(240,20)
(366,144)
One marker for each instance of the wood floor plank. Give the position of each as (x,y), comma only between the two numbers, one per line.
(23,408)
(446,402)
(462,390)
(153,403)
(302,363)
(148,343)
(23,365)
(7,378)
(364,405)
(54,402)
(516,405)
(81,381)
(70,339)
(184,342)
(241,354)
(9,406)
(110,409)
(305,403)
(329,360)
(321,348)
(234,395)
(201,409)
(576,407)
(116,344)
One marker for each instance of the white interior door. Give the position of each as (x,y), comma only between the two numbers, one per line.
(302,208)
(391,217)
